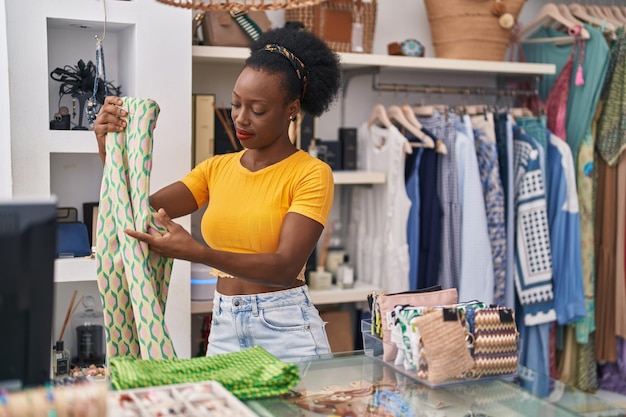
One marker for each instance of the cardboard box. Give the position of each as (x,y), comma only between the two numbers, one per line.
(339,330)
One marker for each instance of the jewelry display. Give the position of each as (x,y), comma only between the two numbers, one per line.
(201,399)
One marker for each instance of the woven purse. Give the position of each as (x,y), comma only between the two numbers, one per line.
(495,341)
(443,335)
(331,20)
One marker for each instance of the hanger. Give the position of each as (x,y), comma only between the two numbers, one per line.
(581,14)
(475,109)
(520,112)
(427,111)
(619,15)
(550,12)
(396,113)
(604,14)
(379,115)
(410,114)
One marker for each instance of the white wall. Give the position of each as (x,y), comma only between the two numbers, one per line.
(5,112)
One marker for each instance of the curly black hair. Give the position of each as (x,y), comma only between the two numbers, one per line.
(322,64)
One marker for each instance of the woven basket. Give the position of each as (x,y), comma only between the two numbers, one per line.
(243,5)
(331,20)
(466,29)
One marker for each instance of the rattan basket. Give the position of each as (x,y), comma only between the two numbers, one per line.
(467,29)
(336,32)
(243,5)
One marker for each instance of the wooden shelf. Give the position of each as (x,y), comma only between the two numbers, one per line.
(72,141)
(235,55)
(319,297)
(358,177)
(74,270)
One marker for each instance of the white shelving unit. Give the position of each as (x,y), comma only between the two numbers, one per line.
(233,55)
(65,163)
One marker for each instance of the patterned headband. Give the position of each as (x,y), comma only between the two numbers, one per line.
(297,65)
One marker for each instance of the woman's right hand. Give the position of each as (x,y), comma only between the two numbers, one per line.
(111,118)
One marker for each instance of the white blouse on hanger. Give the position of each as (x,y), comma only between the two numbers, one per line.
(380,212)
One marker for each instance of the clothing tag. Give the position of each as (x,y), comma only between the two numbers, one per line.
(390,318)
(450,314)
(357,37)
(506,316)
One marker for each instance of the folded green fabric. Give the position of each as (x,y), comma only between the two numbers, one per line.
(247,374)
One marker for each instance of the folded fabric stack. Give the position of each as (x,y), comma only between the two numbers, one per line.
(247,374)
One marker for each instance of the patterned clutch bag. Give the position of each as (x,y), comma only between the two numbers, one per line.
(444,345)
(495,341)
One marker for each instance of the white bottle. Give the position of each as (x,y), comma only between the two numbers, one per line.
(345,273)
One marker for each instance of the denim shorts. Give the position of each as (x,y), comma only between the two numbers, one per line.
(284,322)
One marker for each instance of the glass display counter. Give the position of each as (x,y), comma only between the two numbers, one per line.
(353,384)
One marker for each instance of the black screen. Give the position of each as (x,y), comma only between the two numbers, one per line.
(27,252)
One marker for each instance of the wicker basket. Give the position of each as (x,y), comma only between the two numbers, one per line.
(331,20)
(243,5)
(467,29)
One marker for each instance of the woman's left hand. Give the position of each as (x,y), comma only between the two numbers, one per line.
(175,243)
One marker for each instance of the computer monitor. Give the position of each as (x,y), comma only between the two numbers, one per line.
(27,252)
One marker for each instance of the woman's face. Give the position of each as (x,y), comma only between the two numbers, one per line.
(260,109)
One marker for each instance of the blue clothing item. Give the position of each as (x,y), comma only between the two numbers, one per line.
(430,222)
(533,263)
(284,322)
(487,155)
(476,280)
(413,224)
(535,355)
(564,221)
(582,100)
(504,140)
(536,128)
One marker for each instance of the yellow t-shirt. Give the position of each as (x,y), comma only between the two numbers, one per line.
(246,209)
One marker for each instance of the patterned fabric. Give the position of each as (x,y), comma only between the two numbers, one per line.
(556,103)
(585,186)
(504,140)
(495,341)
(493,193)
(443,126)
(612,124)
(533,273)
(247,374)
(133,281)
(586,370)
(535,127)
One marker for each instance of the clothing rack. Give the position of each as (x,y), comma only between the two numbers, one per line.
(456,90)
